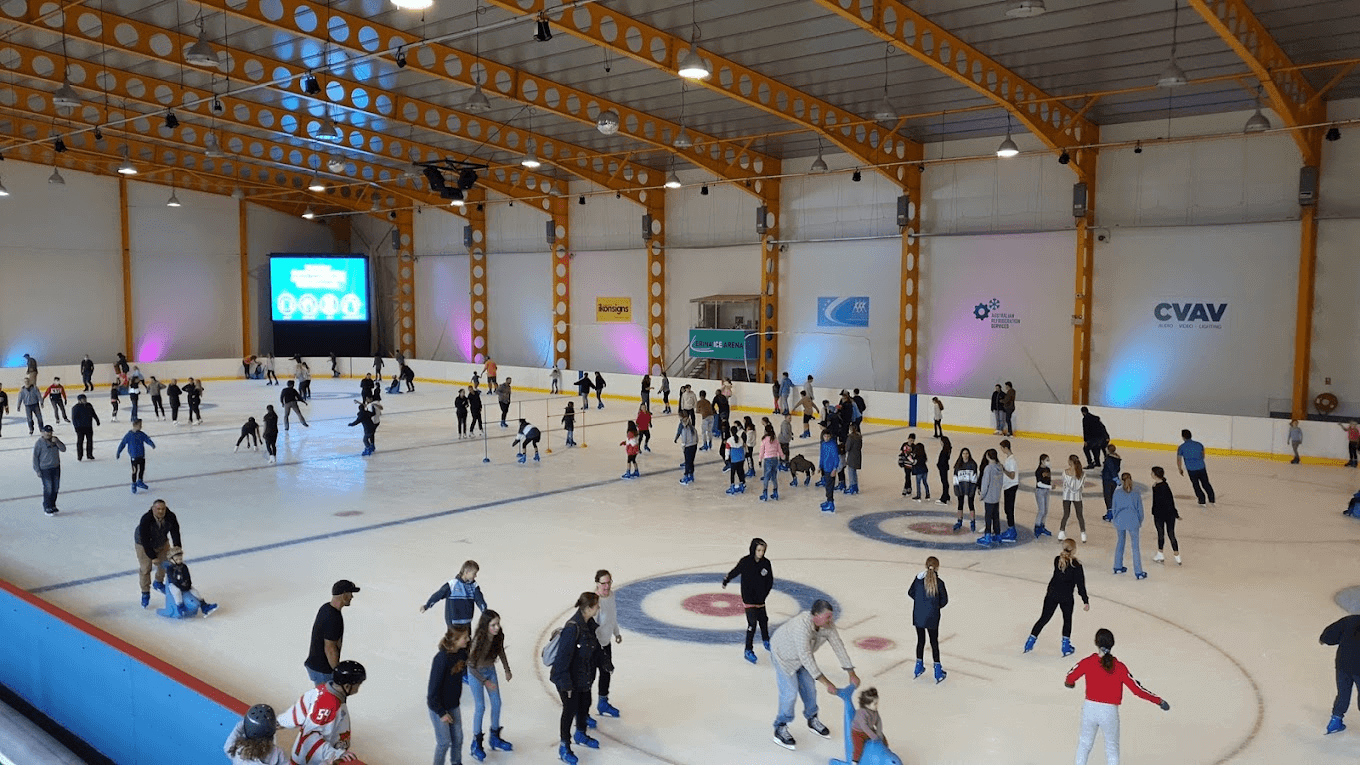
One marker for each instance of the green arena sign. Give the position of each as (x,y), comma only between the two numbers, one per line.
(727,344)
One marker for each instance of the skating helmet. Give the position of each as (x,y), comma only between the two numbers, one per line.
(349,673)
(260,722)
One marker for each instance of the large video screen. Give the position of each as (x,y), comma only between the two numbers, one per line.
(318,288)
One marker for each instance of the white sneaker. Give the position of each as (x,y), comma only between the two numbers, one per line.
(1159,558)
(1178,559)
(236,448)
(1062,535)
(1083,536)
(272,459)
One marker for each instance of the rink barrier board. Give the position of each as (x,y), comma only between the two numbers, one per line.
(1222,435)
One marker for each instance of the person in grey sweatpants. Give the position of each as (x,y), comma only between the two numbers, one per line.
(30,401)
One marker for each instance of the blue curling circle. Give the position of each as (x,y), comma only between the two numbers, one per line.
(632,616)
(871,526)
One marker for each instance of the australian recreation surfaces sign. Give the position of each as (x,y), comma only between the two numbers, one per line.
(843,311)
(1190,315)
(726,344)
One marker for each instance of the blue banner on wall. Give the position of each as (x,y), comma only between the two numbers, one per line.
(843,311)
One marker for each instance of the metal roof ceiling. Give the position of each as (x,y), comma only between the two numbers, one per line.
(1078,47)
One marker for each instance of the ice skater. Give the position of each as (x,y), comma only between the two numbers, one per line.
(364,417)
(251,742)
(810,410)
(608,634)
(1344,633)
(115,388)
(448,673)
(1294,439)
(757,579)
(828,462)
(1043,485)
(30,400)
(920,470)
(270,377)
(1190,458)
(598,385)
(583,387)
(83,419)
(735,444)
(569,423)
(965,486)
(489,367)
(906,459)
(1074,486)
(503,398)
(135,441)
(250,430)
(1106,678)
(1109,478)
(1164,516)
(178,581)
(867,724)
(193,395)
(665,393)
(87,374)
(173,391)
(335,368)
(56,393)
(689,442)
(937,414)
(1010,479)
(460,595)
(153,389)
(769,463)
(573,673)
(322,717)
(475,411)
(4,405)
(748,442)
(942,464)
(929,596)
(408,376)
(271,433)
(630,448)
(460,409)
(526,435)
(290,398)
(644,425)
(704,408)
(488,646)
(1127,515)
(1068,575)
(1352,446)
(793,649)
(990,491)
(555,381)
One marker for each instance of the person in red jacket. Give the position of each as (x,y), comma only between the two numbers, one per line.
(1106,678)
(644,426)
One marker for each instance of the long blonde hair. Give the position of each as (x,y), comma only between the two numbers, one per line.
(1068,555)
(932,575)
(1074,463)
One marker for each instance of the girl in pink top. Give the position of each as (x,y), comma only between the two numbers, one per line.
(1352,441)
(1106,679)
(769,460)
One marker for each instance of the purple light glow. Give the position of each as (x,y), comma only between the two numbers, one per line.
(952,361)
(628,343)
(152,346)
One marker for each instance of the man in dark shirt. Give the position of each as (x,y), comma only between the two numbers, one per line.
(84,418)
(290,398)
(328,633)
(156,533)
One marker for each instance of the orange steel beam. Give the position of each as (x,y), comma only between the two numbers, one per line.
(1053,122)
(1291,95)
(867,142)
(244,254)
(767,363)
(656,290)
(561,281)
(910,297)
(1306,300)
(126,237)
(1085,285)
(724,158)
(477,284)
(1332,83)
(405,336)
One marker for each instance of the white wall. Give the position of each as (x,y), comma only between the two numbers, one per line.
(692,273)
(613,346)
(519,287)
(1336,357)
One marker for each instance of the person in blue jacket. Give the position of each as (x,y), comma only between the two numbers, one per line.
(459,596)
(1127,512)
(135,441)
(828,463)
(785,389)
(929,596)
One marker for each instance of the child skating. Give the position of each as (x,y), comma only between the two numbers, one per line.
(929,597)
(965,486)
(769,463)
(569,423)
(630,447)
(1068,575)
(135,441)
(1043,484)
(178,582)
(251,742)
(736,460)
(828,463)
(526,435)
(757,579)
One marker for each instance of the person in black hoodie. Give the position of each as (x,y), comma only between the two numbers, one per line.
(599,389)
(271,433)
(83,419)
(173,392)
(365,418)
(1343,633)
(998,396)
(1067,575)
(757,579)
(445,690)
(1094,437)
(475,409)
(1164,515)
(573,673)
(460,408)
(87,373)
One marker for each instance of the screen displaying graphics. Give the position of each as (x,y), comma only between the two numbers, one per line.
(314,288)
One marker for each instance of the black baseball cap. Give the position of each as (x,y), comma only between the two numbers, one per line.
(47,428)
(343,586)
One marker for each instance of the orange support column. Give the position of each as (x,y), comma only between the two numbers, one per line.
(911,282)
(656,290)
(768,362)
(561,282)
(1311,143)
(405,335)
(127,266)
(1085,282)
(245,277)
(477,282)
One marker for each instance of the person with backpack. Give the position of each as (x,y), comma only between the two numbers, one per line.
(1344,633)
(574,655)
(757,579)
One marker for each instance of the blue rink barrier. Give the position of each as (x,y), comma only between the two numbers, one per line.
(122,701)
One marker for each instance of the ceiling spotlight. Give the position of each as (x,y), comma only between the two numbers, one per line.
(328,131)
(335,164)
(126,167)
(309,213)
(1025,9)
(171,121)
(237,193)
(211,147)
(309,85)
(1007,149)
(1256,123)
(543,30)
(692,66)
(856,176)
(201,53)
(413,5)
(1064,158)
(672,181)
(477,102)
(4,192)
(1334,134)
(885,111)
(582,200)
(217,107)
(818,164)
(59,146)
(374,205)
(682,139)
(703,190)
(401,58)
(456,198)
(65,97)
(98,134)
(530,159)
(1138,148)
(608,122)
(316,184)
(173,201)
(55,178)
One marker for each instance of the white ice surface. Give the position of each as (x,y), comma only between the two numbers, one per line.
(1230,638)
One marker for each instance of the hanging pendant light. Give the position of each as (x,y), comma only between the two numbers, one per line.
(885,111)
(173,201)
(211,147)
(315,184)
(1173,76)
(65,97)
(819,164)
(309,213)
(55,178)
(531,159)
(413,5)
(1025,9)
(126,167)
(477,103)
(1007,149)
(1257,123)
(682,139)
(691,65)
(237,193)
(201,53)
(328,131)
(4,192)
(672,180)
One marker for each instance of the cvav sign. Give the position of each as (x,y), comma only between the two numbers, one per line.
(1189,315)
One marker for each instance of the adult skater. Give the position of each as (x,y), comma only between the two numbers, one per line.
(937,416)
(87,374)
(1074,486)
(1344,633)
(583,387)
(120,364)
(646,390)
(689,442)
(154,388)
(488,645)
(335,365)
(83,419)
(475,410)
(30,401)
(31,365)
(1008,409)
(460,410)
(1106,678)
(408,376)
(757,579)
(4,404)
(364,418)
(489,368)
(269,368)
(134,391)
(1010,484)
(555,380)
(525,436)
(1043,485)
(328,634)
(997,397)
(990,490)
(290,398)
(304,378)
(1109,477)
(56,393)
(665,393)
(271,433)
(929,597)
(598,385)
(1094,438)
(1164,515)
(942,464)
(367,386)
(1068,575)
(377,365)
(448,672)
(503,398)
(193,397)
(47,464)
(1127,515)
(1190,457)
(157,531)
(322,717)
(135,441)
(785,390)
(704,409)
(174,392)
(573,673)
(854,459)
(792,651)
(250,430)
(608,627)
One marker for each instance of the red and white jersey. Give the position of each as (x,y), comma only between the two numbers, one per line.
(56,391)
(324,720)
(1108,687)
